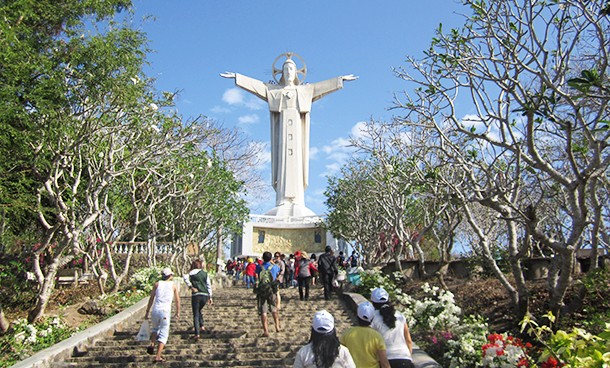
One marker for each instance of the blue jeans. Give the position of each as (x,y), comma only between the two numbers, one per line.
(198,302)
(249,281)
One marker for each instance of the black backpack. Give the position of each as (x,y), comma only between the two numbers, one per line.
(326,263)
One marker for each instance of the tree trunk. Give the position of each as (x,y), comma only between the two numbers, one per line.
(442,271)
(46,289)
(4,324)
(219,248)
(522,303)
(563,281)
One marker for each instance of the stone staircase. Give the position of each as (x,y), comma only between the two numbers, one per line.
(233,337)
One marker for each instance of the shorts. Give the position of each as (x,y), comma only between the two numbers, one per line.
(160,324)
(266,304)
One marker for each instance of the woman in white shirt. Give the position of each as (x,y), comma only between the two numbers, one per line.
(392,325)
(323,349)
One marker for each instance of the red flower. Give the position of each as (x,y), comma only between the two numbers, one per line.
(523,363)
(493,338)
(551,362)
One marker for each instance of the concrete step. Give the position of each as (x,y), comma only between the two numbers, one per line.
(232,338)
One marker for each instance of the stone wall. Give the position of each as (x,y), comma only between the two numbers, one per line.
(533,268)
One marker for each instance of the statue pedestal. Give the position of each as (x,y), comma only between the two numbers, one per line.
(281,234)
(289,210)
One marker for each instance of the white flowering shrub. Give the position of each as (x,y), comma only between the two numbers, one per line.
(24,338)
(436,321)
(437,310)
(144,278)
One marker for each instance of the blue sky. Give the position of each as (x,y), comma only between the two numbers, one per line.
(195,40)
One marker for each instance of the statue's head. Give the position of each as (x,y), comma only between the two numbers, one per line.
(289,73)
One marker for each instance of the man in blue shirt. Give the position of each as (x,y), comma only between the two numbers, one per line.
(266,292)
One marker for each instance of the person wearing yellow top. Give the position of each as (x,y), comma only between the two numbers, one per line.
(365,344)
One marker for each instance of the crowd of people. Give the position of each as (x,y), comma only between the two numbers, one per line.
(381,338)
(244,269)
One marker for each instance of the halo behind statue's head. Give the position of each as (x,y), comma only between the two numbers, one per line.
(301,72)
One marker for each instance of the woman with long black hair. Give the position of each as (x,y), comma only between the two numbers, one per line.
(392,325)
(324,349)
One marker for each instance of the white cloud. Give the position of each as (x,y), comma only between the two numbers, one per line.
(255,103)
(331,169)
(239,98)
(233,96)
(248,119)
(313,153)
(220,110)
(358,130)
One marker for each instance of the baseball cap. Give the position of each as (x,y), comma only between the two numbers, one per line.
(366,311)
(167,271)
(323,322)
(379,295)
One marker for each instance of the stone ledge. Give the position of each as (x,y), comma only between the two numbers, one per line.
(420,358)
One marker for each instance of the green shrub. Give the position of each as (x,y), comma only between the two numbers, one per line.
(15,289)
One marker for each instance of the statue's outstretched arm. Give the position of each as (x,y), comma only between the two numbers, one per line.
(228,75)
(349,77)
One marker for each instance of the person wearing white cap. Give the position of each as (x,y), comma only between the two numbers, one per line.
(324,349)
(364,343)
(392,325)
(161,302)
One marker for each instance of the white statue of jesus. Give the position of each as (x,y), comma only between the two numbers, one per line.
(289,107)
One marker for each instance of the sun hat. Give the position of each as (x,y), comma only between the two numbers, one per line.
(167,271)
(379,295)
(366,311)
(323,322)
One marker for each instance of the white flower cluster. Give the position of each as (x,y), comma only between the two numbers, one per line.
(28,334)
(465,350)
(437,311)
(142,278)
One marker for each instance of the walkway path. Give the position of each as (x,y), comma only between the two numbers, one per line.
(233,339)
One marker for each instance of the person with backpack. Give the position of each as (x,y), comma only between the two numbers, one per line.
(266,292)
(327,267)
(198,281)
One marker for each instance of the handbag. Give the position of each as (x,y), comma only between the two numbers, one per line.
(144,332)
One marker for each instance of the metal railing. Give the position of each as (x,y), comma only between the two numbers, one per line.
(142,247)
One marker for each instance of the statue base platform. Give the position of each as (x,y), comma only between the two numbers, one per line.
(290,210)
(281,234)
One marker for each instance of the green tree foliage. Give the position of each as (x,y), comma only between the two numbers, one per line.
(86,140)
